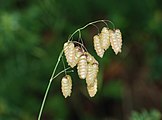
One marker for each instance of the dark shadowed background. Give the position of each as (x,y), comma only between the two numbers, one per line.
(32,34)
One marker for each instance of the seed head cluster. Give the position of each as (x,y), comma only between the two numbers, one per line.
(106,38)
(87,65)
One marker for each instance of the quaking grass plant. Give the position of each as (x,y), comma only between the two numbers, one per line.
(77,55)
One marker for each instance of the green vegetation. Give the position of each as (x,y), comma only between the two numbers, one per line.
(145,115)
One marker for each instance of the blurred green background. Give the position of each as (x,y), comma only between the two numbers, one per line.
(32,34)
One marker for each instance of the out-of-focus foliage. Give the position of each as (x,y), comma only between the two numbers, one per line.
(145,115)
(32,34)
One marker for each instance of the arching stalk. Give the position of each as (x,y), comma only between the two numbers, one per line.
(49,84)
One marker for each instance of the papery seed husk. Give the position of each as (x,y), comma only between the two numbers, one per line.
(105,38)
(97,46)
(116,40)
(91,74)
(82,67)
(119,38)
(69,51)
(92,89)
(66,86)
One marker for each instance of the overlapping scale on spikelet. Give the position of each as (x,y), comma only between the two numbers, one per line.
(82,66)
(92,89)
(116,40)
(91,73)
(119,38)
(66,86)
(105,38)
(97,46)
(69,51)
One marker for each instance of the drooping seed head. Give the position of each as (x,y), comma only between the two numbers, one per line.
(91,74)
(69,51)
(105,38)
(66,86)
(116,40)
(92,89)
(119,38)
(82,66)
(97,46)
